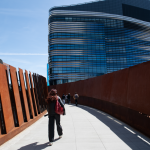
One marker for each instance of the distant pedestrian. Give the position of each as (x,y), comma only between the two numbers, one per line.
(66,98)
(69,98)
(63,98)
(52,100)
(76,96)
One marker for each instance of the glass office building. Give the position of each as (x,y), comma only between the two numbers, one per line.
(96,38)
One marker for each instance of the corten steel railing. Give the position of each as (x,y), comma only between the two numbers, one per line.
(124,94)
(22,100)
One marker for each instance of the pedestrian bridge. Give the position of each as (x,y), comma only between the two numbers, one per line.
(122,94)
(84,128)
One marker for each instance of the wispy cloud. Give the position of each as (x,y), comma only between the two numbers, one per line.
(41,66)
(19,12)
(39,54)
(9,60)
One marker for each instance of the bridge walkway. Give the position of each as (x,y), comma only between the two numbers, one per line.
(84,128)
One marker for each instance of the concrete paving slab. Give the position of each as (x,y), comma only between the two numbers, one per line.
(84,128)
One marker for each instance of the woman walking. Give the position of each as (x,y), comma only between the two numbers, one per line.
(52,100)
(76,96)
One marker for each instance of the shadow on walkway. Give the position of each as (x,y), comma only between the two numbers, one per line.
(123,131)
(34,146)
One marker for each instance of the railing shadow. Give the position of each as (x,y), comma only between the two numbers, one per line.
(133,138)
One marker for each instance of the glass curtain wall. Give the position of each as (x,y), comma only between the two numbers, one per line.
(82,46)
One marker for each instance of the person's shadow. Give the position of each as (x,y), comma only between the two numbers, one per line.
(36,146)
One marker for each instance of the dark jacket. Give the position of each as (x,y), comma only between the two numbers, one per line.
(63,97)
(51,107)
(68,96)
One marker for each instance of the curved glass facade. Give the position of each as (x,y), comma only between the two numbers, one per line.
(84,44)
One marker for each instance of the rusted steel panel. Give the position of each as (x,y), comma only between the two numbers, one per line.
(45,90)
(45,87)
(92,86)
(67,88)
(139,88)
(16,95)
(72,88)
(38,88)
(34,99)
(87,90)
(76,87)
(106,87)
(123,112)
(36,92)
(22,82)
(42,90)
(80,86)
(60,89)
(29,92)
(119,87)
(96,90)
(84,84)
(5,99)
(52,87)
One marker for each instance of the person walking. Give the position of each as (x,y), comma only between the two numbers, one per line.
(69,98)
(63,98)
(76,96)
(66,98)
(51,100)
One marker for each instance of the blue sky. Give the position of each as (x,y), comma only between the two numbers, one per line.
(24,32)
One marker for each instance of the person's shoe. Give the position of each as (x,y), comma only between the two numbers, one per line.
(50,143)
(60,136)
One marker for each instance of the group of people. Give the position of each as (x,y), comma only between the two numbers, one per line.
(66,98)
(55,107)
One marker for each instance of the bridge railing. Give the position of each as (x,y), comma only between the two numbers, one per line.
(124,94)
(22,100)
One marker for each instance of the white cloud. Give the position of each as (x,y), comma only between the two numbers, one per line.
(42,66)
(39,54)
(20,12)
(16,60)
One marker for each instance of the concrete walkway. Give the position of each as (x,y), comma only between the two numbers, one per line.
(84,128)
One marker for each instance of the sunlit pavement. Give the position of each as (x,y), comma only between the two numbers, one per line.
(84,128)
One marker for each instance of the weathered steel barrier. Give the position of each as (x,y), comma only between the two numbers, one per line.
(22,100)
(124,94)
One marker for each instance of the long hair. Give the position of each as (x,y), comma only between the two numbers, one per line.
(52,96)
